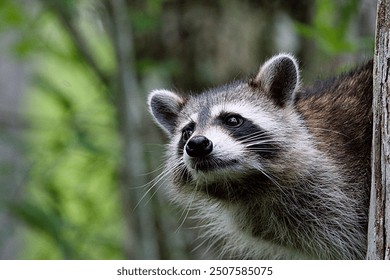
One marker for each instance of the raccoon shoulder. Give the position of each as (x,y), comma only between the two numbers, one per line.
(338,112)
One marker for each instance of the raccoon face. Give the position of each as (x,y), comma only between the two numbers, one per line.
(229,133)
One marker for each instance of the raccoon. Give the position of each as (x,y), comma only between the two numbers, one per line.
(274,170)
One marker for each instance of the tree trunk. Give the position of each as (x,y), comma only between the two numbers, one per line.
(379,214)
(13,77)
(141,238)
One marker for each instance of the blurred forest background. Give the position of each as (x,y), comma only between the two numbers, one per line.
(77,146)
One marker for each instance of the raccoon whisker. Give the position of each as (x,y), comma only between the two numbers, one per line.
(152,184)
(258,140)
(161,182)
(273,180)
(186,210)
(257,136)
(259,133)
(188,117)
(205,225)
(206,181)
(260,146)
(183,217)
(261,143)
(211,244)
(180,170)
(254,135)
(152,195)
(157,169)
(203,241)
(262,150)
(161,167)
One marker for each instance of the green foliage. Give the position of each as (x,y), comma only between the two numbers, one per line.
(71,207)
(10,15)
(13,19)
(330,27)
(147,19)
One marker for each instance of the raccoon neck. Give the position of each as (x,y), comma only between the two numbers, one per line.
(312,217)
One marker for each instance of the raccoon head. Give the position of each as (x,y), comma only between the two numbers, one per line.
(234,133)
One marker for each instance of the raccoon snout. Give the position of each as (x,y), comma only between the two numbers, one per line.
(199,146)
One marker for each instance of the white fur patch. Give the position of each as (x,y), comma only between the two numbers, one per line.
(224,146)
(194,116)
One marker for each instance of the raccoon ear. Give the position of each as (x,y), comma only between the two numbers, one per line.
(165,106)
(278,77)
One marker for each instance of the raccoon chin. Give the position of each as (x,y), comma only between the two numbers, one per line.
(211,164)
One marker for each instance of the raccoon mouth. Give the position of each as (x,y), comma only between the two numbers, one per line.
(208,164)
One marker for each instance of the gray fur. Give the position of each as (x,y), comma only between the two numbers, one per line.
(290,181)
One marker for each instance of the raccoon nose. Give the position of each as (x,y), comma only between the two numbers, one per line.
(199,146)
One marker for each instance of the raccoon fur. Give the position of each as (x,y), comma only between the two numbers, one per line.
(273,170)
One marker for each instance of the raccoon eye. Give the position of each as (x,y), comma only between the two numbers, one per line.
(186,133)
(233,120)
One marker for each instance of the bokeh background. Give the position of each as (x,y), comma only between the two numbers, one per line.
(78,149)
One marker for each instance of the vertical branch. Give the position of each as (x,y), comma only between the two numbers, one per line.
(140,217)
(379,212)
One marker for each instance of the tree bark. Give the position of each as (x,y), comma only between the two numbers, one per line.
(379,212)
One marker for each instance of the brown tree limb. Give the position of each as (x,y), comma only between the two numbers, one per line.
(379,212)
